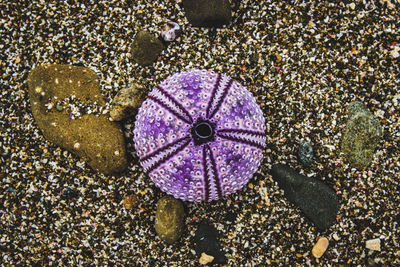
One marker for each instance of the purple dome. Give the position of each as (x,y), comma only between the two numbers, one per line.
(200,135)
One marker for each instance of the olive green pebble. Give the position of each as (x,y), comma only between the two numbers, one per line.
(169,219)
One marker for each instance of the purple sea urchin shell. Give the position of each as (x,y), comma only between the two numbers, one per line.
(200,135)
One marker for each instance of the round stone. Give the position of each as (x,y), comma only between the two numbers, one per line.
(200,135)
(169,219)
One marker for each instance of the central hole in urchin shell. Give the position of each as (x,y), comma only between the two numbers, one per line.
(203,130)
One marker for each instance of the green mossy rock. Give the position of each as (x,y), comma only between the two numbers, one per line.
(361,136)
(94,138)
(169,219)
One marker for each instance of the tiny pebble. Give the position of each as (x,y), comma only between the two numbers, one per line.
(59,107)
(373,244)
(205,259)
(320,247)
(130,201)
(336,237)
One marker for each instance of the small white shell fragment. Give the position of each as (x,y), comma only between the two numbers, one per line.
(320,247)
(373,244)
(335,236)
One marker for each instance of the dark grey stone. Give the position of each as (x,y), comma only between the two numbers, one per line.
(146,48)
(68,194)
(318,202)
(206,241)
(208,13)
(306,153)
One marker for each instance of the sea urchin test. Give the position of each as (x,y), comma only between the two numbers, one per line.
(200,135)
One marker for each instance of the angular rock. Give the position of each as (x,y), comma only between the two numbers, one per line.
(318,202)
(361,136)
(146,48)
(208,13)
(169,219)
(92,136)
(205,259)
(126,101)
(206,242)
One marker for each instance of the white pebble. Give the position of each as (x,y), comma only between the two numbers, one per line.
(373,244)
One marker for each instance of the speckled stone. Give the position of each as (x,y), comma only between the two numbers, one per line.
(318,202)
(93,138)
(361,136)
(127,100)
(306,153)
(169,219)
(145,48)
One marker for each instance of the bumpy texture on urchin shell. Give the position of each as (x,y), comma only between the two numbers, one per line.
(168,152)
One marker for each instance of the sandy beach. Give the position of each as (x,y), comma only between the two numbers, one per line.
(304,62)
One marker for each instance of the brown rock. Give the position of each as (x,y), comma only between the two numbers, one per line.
(92,136)
(169,219)
(130,201)
(146,48)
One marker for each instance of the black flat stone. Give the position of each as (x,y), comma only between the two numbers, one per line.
(318,201)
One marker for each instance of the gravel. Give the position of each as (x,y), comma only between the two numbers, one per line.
(303,60)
